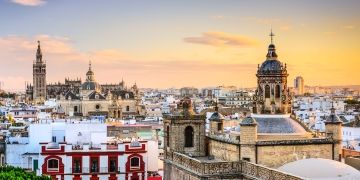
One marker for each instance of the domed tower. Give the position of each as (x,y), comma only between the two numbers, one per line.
(90,84)
(272,95)
(216,122)
(333,129)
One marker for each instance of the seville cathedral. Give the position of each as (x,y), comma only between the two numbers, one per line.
(267,139)
(77,98)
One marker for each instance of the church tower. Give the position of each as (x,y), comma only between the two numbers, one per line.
(272,95)
(39,77)
(185,133)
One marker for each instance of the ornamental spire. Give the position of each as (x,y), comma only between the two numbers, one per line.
(271,49)
(89,65)
(271,36)
(39,53)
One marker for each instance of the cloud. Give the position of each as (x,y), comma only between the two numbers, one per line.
(63,59)
(349,27)
(217,17)
(29,2)
(220,39)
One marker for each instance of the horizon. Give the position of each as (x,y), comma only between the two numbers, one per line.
(209,44)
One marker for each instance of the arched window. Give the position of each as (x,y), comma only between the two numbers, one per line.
(53,165)
(277,91)
(267,91)
(167,136)
(189,136)
(134,163)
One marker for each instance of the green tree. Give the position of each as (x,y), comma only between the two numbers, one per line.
(15,173)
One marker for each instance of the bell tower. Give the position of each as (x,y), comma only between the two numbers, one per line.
(185,132)
(39,77)
(272,95)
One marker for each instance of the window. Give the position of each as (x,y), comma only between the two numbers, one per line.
(189,136)
(246,159)
(219,128)
(167,136)
(267,91)
(77,165)
(277,91)
(94,162)
(97,106)
(112,164)
(53,165)
(54,139)
(75,109)
(134,163)
(127,108)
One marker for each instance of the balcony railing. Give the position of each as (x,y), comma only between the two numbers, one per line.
(111,147)
(87,170)
(77,147)
(242,168)
(95,146)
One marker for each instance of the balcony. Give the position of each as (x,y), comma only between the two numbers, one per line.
(102,170)
(111,146)
(77,147)
(95,147)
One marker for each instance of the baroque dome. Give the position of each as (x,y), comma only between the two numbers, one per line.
(318,168)
(271,65)
(90,85)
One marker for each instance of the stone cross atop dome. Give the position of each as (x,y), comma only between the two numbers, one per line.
(271,55)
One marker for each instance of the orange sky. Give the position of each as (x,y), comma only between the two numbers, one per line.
(176,45)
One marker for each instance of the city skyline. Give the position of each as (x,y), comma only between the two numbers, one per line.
(175,44)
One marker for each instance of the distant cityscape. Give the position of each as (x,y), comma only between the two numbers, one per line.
(83,129)
(179,90)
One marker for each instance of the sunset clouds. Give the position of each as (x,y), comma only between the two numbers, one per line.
(220,39)
(29,2)
(179,43)
(110,65)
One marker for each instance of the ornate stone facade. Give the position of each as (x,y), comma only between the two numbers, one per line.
(272,94)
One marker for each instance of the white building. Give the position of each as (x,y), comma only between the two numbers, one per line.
(82,150)
(351,134)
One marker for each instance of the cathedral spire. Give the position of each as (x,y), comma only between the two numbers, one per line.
(39,53)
